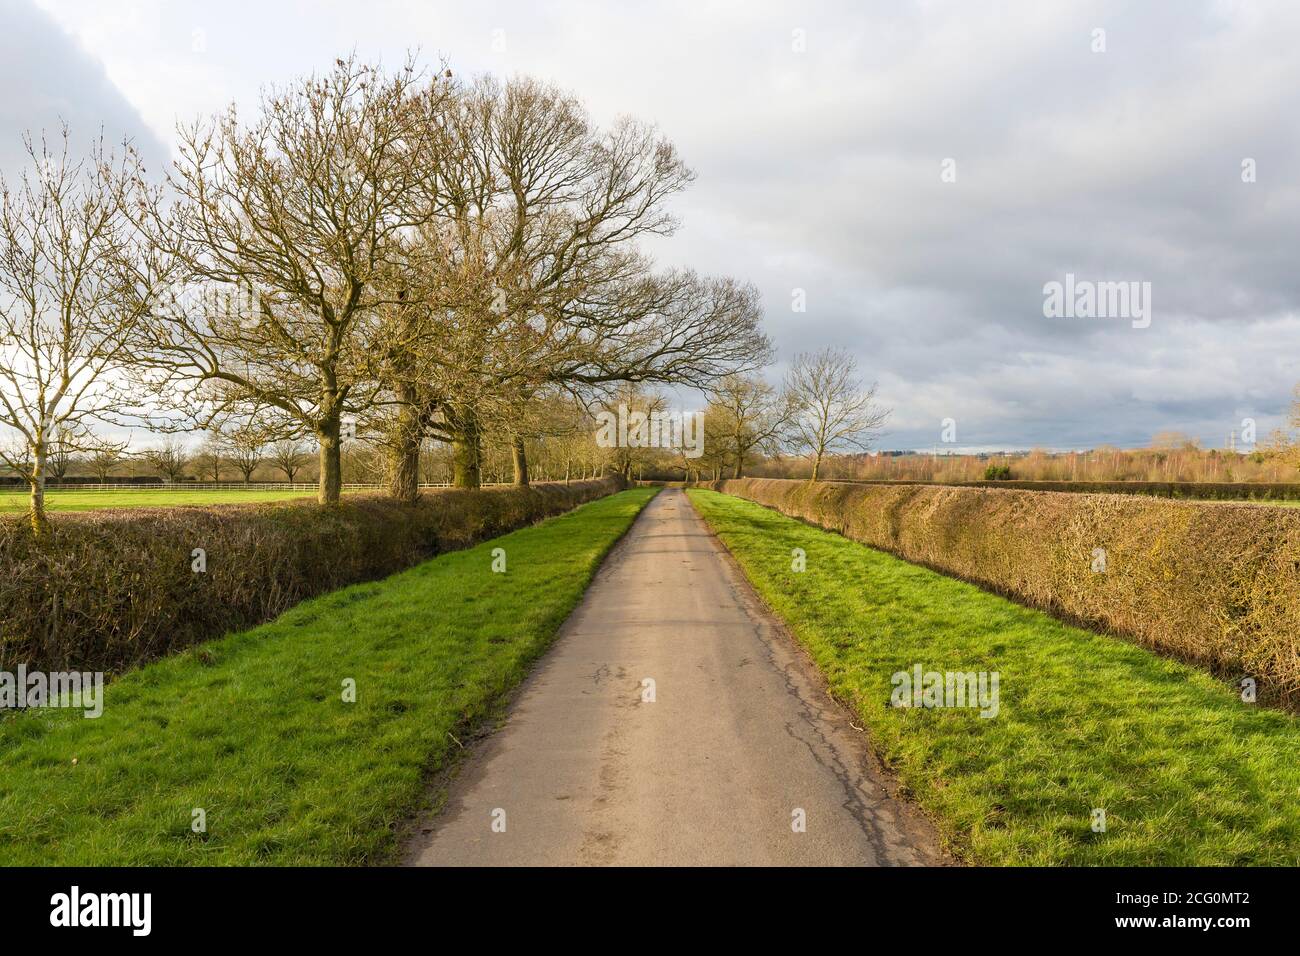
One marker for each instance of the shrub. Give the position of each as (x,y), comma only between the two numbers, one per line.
(997,473)
(1218,585)
(112,589)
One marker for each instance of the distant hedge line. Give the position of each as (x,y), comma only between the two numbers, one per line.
(113,589)
(1216,585)
(1219,490)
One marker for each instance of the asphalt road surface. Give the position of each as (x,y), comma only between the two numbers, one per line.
(740,757)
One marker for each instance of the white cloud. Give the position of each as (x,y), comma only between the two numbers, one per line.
(820,170)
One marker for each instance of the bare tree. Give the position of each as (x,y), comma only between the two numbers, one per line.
(539,204)
(364,462)
(105,457)
(536,282)
(568,430)
(831,410)
(289,455)
(572,432)
(60,460)
(435,462)
(245,448)
(211,457)
(170,460)
(299,217)
(636,402)
(713,456)
(68,303)
(747,415)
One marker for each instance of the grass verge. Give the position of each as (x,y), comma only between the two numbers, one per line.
(253,728)
(1187,774)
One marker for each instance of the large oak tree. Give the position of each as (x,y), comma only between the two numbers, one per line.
(537,284)
(288,233)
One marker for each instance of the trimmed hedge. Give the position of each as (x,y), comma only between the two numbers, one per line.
(109,590)
(1218,585)
(1216,490)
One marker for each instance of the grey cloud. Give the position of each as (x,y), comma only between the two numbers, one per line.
(1117,165)
(48,80)
(820,170)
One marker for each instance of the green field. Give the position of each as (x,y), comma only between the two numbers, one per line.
(19,502)
(1186,773)
(253,728)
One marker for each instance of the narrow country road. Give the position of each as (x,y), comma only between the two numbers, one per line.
(739,743)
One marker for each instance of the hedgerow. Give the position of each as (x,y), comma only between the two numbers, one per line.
(1215,490)
(109,590)
(1218,585)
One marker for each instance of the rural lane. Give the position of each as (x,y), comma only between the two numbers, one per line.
(740,741)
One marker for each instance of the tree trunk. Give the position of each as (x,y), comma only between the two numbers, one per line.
(817,467)
(740,466)
(520,460)
(405,481)
(331,463)
(40,521)
(466,454)
(405,470)
(329,435)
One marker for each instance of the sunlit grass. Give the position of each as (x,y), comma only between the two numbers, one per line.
(254,730)
(1186,773)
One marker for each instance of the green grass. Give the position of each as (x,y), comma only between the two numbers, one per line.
(1187,773)
(12,502)
(253,728)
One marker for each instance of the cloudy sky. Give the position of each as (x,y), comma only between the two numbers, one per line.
(920,170)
